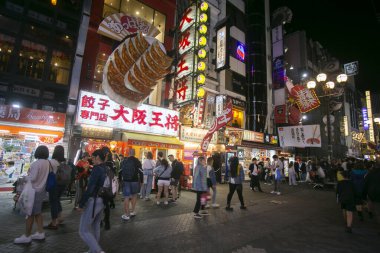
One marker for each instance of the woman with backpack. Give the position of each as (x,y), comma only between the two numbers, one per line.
(163,173)
(91,205)
(57,162)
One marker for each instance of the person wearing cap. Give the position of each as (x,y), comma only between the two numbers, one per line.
(81,177)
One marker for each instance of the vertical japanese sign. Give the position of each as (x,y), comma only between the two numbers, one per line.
(221,47)
(98,110)
(193,28)
(370,116)
(365,118)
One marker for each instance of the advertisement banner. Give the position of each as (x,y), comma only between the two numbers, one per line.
(234,136)
(184,90)
(54,120)
(98,110)
(253,136)
(196,135)
(300,136)
(219,122)
(280,114)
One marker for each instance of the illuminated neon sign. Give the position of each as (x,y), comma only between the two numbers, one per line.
(365,118)
(240,52)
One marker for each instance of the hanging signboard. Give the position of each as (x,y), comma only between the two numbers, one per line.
(300,136)
(221,47)
(351,68)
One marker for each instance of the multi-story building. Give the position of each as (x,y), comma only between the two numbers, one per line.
(37,50)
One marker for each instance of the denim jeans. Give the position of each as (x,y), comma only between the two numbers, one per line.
(147,188)
(55,200)
(89,227)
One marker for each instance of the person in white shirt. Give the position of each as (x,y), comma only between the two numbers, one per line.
(277,167)
(148,165)
(37,174)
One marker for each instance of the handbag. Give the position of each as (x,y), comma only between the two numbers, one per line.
(26,200)
(51,181)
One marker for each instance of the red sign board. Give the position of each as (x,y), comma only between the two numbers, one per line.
(306,99)
(32,116)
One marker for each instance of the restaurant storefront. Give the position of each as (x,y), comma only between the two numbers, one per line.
(146,128)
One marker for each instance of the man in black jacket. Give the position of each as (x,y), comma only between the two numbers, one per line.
(177,170)
(132,178)
(372,190)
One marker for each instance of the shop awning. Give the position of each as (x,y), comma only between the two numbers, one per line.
(136,139)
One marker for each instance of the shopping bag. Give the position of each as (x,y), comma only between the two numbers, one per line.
(26,200)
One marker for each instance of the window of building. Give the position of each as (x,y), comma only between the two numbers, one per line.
(11,25)
(6,49)
(137,9)
(32,57)
(60,66)
(64,40)
(101,60)
(237,118)
(34,31)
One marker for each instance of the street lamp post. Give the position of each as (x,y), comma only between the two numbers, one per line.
(327,88)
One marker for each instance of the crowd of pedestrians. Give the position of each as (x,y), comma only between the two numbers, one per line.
(100,176)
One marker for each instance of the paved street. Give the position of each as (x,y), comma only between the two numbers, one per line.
(301,220)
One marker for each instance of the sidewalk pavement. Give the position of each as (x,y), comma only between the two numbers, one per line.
(299,220)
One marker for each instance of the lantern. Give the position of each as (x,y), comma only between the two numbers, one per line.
(201,92)
(201,66)
(202,41)
(203,29)
(202,53)
(201,79)
(203,18)
(53,2)
(204,6)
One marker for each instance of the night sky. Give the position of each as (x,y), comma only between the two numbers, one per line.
(347,29)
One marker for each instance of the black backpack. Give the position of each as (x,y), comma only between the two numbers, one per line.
(105,191)
(63,174)
(128,169)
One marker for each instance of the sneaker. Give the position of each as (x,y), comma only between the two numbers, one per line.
(158,203)
(125,217)
(229,208)
(243,207)
(38,236)
(272,192)
(166,203)
(278,193)
(147,199)
(132,214)
(204,213)
(215,205)
(349,230)
(197,216)
(207,206)
(141,197)
(23,239)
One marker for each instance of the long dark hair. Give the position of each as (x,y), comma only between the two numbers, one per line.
(164,163)
(59,153)
(234,163)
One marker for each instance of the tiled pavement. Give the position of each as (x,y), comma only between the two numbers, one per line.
(300,220)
